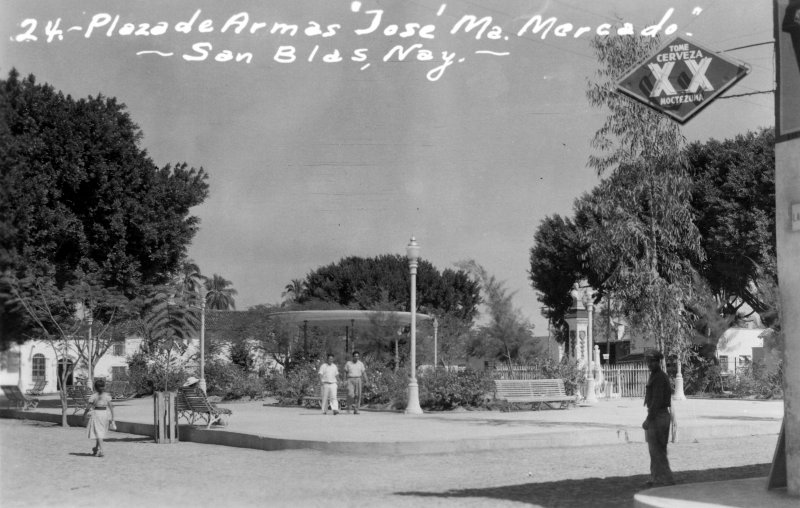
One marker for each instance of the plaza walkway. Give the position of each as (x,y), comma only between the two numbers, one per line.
(378,436)
(617,421)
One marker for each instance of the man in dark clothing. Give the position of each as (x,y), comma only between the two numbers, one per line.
(658,401)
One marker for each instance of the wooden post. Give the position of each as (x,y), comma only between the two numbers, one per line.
(165,422)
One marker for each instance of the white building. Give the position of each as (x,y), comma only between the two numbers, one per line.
(739,347)
(25,364)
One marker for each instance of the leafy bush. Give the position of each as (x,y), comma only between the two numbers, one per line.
(759,381)
(701,375)
(443,389)
(240,355)
(150,372)
(230,381)
(291,385)
(385,387)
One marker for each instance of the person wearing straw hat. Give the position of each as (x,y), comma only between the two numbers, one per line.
(191,381)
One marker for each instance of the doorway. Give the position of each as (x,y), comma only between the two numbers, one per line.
(65,364)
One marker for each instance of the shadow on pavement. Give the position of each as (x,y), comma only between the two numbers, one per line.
(745,418)
(86,454)
(592,492)
(140,439)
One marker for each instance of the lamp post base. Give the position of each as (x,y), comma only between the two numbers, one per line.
(591,397)
(413,398)
(679,395)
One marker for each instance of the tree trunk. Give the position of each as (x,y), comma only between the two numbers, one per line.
(396,355)
(64,408)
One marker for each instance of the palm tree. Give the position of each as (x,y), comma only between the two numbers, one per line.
(294,289)
(219,294)
(188,280)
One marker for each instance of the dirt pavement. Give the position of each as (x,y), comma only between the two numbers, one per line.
(45,465)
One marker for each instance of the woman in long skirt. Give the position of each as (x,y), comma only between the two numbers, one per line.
(102,414)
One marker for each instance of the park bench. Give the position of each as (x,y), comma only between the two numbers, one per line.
(536,392)
(19,399)
(120,390)
(38,387)
(315,401)
(78,397)
(200,408)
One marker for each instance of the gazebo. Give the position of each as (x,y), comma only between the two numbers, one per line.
(344,317)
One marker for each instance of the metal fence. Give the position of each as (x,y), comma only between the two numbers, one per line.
(629,379)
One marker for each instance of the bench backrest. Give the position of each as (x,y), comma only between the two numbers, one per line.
(547,387)
(513,387)
(79,394)
(13,393)
(529,387)
(196,400)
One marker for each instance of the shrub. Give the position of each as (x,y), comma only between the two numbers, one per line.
(757,380)
(240,355)
(701,375)
(386,387)
(443,389)
(230,381)
(291,385)
(149,372)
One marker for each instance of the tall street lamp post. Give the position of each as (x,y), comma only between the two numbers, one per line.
(412,251)
(90,351)
(202,382)
(435,345)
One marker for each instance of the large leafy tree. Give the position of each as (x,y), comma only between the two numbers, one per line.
(734,195)
(556,264)
(357,282)
(382,283)
(638,223)
(80,194)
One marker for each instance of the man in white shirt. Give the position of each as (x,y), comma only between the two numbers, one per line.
(329,376)
(354,370)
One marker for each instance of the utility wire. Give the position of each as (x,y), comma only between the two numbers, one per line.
(744,94)
(748,46)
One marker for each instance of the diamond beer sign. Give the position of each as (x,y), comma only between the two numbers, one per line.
(681,78)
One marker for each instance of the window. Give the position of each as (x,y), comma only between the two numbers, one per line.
(118,373)
(38,366)
(119,349)
(723,363)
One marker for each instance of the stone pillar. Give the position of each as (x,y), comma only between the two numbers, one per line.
(787,197)
(787,222)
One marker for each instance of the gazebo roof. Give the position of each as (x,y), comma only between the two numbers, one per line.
(344,317)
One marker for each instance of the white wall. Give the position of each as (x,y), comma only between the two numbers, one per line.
(737,343)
